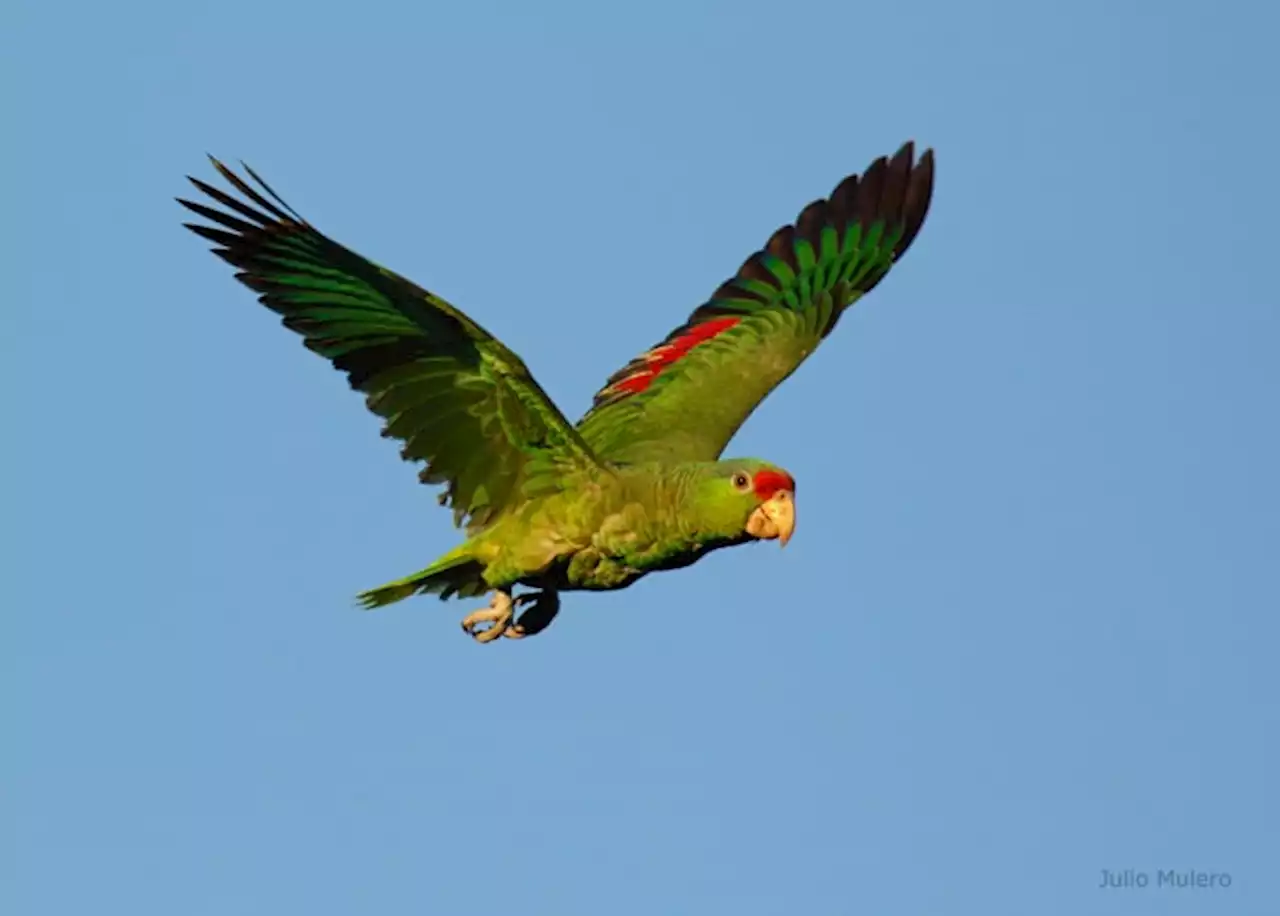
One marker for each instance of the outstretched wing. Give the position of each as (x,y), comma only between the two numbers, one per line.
(454,395)
(684,399)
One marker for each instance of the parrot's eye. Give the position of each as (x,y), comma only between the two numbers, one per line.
(741,481)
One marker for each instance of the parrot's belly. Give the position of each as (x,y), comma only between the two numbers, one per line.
(592,570)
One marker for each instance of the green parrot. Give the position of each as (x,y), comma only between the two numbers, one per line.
(638,485)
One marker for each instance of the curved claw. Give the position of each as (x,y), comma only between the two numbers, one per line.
(498,615)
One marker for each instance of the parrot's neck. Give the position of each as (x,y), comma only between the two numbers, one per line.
(679,523)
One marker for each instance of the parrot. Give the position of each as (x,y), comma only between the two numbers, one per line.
(638,485)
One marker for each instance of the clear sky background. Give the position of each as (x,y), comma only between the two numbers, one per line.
(1026,629)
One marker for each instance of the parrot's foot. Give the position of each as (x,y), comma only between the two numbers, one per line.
(499,615)
(546,605)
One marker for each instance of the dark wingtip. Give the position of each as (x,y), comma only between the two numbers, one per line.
(217,165)
(279,209)
(917,200)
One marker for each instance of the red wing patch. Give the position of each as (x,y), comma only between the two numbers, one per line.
(640,374)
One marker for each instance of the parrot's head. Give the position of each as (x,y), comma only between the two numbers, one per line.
(749,497)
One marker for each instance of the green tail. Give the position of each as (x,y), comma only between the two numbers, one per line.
(456,573)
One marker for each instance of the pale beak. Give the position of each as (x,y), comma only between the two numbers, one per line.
(775,519)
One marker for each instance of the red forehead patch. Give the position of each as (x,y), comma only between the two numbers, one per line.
(766,483)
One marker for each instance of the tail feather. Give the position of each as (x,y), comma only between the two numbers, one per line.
(453,574)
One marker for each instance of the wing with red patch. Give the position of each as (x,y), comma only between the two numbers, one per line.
(685,398)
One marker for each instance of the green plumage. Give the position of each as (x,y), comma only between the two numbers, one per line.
(459,400)
(636,487)
(787,297)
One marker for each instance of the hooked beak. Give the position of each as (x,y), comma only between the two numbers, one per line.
(775,519)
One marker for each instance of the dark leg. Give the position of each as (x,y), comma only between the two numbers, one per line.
(546,604)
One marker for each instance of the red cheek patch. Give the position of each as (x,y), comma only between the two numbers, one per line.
(766,483)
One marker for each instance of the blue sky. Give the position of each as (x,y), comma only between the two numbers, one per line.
(1026,629)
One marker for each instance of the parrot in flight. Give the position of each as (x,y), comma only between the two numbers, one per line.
(638,485)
